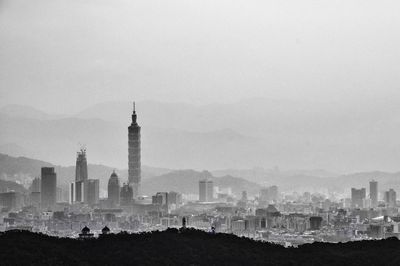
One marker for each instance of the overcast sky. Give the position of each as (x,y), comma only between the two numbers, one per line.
(64,55)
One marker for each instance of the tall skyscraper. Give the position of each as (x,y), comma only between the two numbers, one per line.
(126,195)
(92,188)
(357,197)
(35,186)
(77,192)
(113,190)
(206,190)
(373,193)
(81,171)
(134,165)
(390,198)
(48,190)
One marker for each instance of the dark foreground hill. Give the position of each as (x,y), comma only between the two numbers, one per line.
(189,247)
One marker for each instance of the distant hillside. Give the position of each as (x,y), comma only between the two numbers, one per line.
(187,181)
(16,110)
(6,185)
(339,136)
(12,166)
(189,247)
(57,140)
(358,180)
(22,168)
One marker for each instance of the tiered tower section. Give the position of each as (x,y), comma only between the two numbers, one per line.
(134,164)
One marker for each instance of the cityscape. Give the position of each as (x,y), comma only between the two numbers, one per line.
(199,132)
(269,215)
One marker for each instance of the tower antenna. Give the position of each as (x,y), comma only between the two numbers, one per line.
(134,109)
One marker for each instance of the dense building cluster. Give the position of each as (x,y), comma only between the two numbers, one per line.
(279,217)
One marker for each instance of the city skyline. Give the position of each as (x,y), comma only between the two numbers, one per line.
(199,132)
(273,214)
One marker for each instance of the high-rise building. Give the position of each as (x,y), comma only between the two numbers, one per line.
(59,195)
(12,200)
(48,190)
(113,190)
(134,164)
(175,198)
(34,199)
(390,198)
(34,195)
(161,198)
(72,197)
(206,190)
(92,188)
(35,186)
(357,197)
(81,171)
(126,195)
(79,191)
(373,193)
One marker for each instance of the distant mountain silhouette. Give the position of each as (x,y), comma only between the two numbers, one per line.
(22,168)
(24,111)
(255,132)
(186,181)
(6,185)
(57,140)
(187,247)
(161,179)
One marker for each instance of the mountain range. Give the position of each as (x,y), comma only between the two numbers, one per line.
(339,137)
(22,170)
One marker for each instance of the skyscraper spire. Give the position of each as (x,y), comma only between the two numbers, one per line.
(134,117)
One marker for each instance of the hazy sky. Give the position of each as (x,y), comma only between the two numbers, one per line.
(64,55)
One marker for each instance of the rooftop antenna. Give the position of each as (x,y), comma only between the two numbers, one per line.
(82,147)
(134,107)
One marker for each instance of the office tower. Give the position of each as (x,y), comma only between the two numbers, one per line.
(174,198)
(72,193)
(35,186)
(59,197)
(126,195)
(48,190)
(357,197)
(34,195)
(81,171)
(79,194)
(206,190)
(161,198)
(12,200)
(113,190)
(34,199)
(134,171)
(78,189)
(91,194)
(373,193)
(390,198)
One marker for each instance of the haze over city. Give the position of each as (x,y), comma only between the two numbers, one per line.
(275,65)
(199,121)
